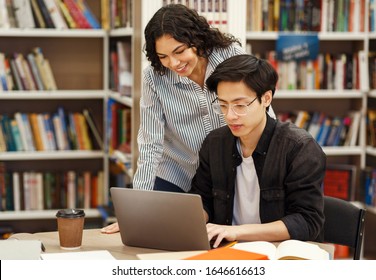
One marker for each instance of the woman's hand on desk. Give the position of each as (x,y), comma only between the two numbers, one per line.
(113,228)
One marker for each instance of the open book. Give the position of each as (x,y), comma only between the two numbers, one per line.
(286,250)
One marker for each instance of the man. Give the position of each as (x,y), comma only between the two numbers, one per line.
(259,179)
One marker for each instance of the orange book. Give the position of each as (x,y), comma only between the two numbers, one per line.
(228,253)
(33,117)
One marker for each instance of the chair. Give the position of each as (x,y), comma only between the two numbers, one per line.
(344,224)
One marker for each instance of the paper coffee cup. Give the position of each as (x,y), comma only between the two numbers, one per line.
(70,225)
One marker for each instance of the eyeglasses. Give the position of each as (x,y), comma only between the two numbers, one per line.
(238,109)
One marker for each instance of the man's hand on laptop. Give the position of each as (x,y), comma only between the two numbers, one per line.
(111,228)
(219,233)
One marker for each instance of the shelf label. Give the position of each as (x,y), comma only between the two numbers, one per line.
(297,47)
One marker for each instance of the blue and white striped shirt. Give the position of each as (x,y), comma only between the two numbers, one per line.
(176,115)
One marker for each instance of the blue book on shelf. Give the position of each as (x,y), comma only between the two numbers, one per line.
(16,135)
(324,132)
(64,126)
(333,135)
(50,131)
(8,135)
(88,14)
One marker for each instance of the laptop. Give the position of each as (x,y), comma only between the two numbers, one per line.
(160,220)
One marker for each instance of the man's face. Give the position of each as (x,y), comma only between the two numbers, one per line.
(243,112)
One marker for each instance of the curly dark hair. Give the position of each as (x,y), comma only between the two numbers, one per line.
(186,26)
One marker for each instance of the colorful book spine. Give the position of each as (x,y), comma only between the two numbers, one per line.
(76,14)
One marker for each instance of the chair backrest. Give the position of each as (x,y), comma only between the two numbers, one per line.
(344,224)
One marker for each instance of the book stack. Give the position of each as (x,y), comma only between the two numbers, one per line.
(116,14)
(327,130)
(56,131)
(26,72)
(58,14)
(215,11)
(119,126)
(315,15)
(120,68)
(340,71)
(43,190)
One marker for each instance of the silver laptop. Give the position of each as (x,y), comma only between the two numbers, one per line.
(160,220)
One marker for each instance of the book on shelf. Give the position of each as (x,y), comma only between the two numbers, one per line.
(31,190)
(368,182)
(28,73)
(340,181)
(11,14)
(124,68)
(45,14)
(105,14)
(50,131)
(7,133)
(45,70)
(324,131)
(3,75)
(77,14)
(78,132)
(353,132)
(35,71)
(16,135)
(88,145)
(72,135)
(88,14)
(29,132)
(23,13)
(37,13)
(18,59)
(3,146)
(43,132)
(285,250)
(7,17)
(335,132)
(71,189)
(371,127)
(68,17)
(49,75)
(93,129)
(8,74)
(87,186)
(16,191)
(65,143)
(37,135)
(15,74)
(55,14)
(22,129)
(9,200)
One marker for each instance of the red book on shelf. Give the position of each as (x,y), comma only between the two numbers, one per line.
(77,14)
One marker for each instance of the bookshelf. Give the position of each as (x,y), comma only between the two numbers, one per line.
(78,59)
(333,102)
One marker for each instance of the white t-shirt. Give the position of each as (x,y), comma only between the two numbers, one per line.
(247,193)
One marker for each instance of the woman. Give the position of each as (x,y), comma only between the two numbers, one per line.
(176,112)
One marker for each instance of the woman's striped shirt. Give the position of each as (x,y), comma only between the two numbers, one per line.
(176,115)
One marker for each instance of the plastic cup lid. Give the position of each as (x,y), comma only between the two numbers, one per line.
(70,213)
